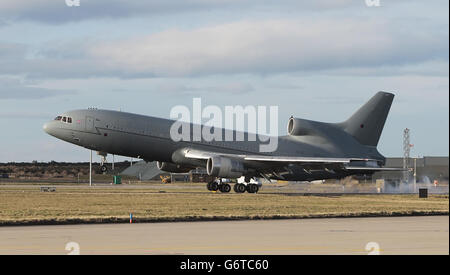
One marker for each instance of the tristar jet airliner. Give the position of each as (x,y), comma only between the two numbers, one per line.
(312,150)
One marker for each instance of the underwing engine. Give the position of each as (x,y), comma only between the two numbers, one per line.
(225,167)
(172,167)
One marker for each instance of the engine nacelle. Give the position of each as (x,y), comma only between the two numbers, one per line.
(301,127)
(172,167)
(225,167)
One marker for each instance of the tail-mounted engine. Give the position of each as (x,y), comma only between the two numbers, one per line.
(302,127)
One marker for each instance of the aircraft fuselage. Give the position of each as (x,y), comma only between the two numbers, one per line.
(148,138)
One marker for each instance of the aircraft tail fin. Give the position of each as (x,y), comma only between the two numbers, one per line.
(366,125)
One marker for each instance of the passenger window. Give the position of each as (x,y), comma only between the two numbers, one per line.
(69,120)
(64,119)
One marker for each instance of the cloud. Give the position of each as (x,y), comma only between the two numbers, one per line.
(13,88)
(56,12)
(359,45)
(25,115)
(432,67)
(12,51)
(232,88)
(270,46)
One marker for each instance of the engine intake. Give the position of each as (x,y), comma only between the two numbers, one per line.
(301,127)
(225,167)
(172,167)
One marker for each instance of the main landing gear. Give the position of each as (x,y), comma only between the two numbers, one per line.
(239,188)
(218,185)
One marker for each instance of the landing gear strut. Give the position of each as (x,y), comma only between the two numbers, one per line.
(103,168)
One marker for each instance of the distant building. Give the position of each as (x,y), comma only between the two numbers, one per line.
(429,169)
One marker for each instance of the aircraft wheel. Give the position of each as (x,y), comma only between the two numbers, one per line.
(214,186)
(252,188)
(208,186)
(104,168)
(239,188)
(256,188)
(247,188)
(225,188)
(235,188)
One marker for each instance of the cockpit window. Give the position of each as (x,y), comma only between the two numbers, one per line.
(64,119)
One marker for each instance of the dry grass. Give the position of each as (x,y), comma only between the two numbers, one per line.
(22,204)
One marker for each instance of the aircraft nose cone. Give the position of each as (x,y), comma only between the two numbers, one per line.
(46,127)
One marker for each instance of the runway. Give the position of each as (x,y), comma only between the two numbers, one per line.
(395,235)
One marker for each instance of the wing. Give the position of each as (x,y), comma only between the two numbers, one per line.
(350,164)
(374,169)
(289,167)
(199,154)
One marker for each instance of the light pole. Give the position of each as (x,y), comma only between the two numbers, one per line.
(406,152)
(415,174)
(90,170)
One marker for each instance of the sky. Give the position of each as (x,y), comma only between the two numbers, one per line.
(318,60)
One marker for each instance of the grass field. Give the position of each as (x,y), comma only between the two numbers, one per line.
(180,202)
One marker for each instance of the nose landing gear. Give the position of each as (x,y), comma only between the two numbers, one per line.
(103,168)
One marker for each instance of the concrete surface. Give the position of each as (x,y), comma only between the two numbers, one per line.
(395,235)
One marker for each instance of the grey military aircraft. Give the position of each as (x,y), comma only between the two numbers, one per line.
(312,150)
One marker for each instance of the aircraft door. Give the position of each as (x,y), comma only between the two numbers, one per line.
(89,124)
